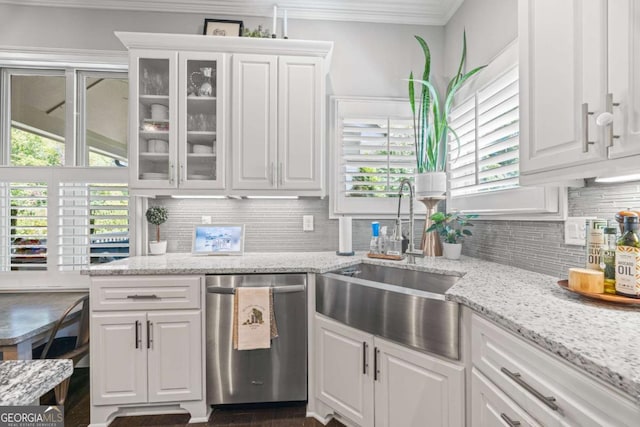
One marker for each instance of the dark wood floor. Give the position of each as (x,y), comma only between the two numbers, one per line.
(77,410)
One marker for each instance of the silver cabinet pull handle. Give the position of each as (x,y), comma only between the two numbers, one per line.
(509,421)
(517,378)
(149,340)
(585,128)
(171,173)
(151,296)
(181,177)
(137,334)
(276,289)
(609,108)
(364,358)
(376,368)
(280,177)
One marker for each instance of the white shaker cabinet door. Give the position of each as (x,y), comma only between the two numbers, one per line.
(562,79)
(414,389)
(118,358)
(174,348)
(300,118)
(254,121)
(624,83)
(345,370)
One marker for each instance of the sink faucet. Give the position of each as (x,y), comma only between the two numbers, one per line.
(411,251)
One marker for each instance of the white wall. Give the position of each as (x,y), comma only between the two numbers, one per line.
(369,59)
(491,25)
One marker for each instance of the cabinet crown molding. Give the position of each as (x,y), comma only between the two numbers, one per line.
(200,43)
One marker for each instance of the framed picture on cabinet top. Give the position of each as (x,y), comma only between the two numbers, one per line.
(223,27)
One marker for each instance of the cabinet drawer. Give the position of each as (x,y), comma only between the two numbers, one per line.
(549,389)
(145,293)
(491,407)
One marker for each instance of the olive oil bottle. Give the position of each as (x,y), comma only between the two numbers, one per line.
(628,260)
(608,259)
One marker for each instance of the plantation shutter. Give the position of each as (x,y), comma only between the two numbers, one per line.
(373,151)
(24,226)
(376,155)
(93,224)
(485,157)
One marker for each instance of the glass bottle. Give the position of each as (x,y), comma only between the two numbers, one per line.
(375,232)
(608,259)
(628,259)
(595,240)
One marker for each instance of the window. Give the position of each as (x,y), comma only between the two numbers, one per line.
(63,176)
(484,160)
(374,151)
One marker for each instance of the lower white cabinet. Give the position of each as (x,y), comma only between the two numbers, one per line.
(374,382)
(510,373)
(145,357)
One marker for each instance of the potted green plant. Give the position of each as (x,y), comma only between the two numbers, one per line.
(453,228)
(431,123)
(157,215)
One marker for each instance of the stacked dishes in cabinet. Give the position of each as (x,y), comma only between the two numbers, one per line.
(201,120)
(154,119)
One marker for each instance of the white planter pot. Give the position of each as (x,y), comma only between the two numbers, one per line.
(431,184)
(158,248)
(452,250)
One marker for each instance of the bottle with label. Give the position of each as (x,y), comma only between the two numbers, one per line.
(608,259)
(375,232)
(595,240)
(628,259)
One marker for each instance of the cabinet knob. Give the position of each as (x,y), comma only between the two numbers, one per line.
(604,119)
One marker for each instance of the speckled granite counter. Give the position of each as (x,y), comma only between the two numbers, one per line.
(22,382)
(601,339)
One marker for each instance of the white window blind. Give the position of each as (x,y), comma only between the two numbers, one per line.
(93,224)
(24,227)
(373,151)
(485,157)
(376,155)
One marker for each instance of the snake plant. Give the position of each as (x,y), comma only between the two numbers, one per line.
(431,118)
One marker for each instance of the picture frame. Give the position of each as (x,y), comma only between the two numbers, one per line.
(223,28)
(218,239)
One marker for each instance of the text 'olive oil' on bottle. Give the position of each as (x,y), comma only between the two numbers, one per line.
(628,260)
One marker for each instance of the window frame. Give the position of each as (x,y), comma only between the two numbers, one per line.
(73,64)
(525,202)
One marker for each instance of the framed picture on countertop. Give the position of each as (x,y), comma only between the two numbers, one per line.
(223,27)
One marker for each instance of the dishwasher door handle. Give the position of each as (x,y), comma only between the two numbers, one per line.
(276,289)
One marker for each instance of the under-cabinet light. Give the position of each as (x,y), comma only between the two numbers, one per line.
(618,178)
(198,197)
(272,197)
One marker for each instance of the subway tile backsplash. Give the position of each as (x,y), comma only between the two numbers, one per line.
(276,226)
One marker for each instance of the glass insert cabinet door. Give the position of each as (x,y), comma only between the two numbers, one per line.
(201,148)
(155,135)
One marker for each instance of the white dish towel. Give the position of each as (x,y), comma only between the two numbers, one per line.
(253,320)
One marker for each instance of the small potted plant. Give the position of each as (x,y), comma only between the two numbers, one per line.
(453,227)
(157,215)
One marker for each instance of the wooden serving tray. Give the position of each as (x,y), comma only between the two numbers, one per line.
(388,257)
(618,299)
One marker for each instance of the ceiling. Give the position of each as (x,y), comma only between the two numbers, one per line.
(417,12)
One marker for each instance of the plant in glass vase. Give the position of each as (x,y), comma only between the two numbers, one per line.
(157,215)
(431,123)
(453,228)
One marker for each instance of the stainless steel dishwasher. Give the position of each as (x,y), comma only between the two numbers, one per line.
(277,374)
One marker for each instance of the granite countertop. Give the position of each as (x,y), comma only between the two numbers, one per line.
(599,338)
(22,382)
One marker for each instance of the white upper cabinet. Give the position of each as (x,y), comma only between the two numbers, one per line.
(580,90)
(208,110)
(624,78)
(562,81)
(277,123)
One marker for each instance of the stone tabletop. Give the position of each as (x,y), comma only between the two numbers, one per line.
(597,337)
(25,315)
(22,382)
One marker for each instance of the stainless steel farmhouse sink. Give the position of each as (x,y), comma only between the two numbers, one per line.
(405,306)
